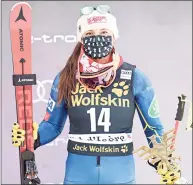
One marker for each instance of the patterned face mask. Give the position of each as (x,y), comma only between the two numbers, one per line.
(97,46)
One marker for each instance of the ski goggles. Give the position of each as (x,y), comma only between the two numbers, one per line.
(100,8)
(102,78)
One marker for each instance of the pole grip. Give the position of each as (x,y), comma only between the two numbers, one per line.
(181,106)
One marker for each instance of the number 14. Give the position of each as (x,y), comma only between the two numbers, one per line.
(105,113)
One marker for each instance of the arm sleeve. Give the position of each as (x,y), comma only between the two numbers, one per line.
(55,117)
(147,106)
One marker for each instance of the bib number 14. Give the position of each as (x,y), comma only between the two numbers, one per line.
(103,120)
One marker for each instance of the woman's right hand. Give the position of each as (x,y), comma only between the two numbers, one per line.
(18,135)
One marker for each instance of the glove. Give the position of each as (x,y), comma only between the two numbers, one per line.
(18,135)
(169,175)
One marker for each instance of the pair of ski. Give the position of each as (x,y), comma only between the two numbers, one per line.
(23,79)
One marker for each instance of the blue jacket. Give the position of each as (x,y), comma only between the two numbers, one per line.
(145,99)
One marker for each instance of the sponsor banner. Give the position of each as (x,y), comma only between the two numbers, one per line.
(122,138)
(100,150)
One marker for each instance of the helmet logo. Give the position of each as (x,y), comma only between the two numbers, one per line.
(97,19)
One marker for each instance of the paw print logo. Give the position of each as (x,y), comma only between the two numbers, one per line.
(120,89)
(124,149)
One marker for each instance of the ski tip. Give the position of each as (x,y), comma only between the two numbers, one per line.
(21,4)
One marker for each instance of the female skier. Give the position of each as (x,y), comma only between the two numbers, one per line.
(99,92)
